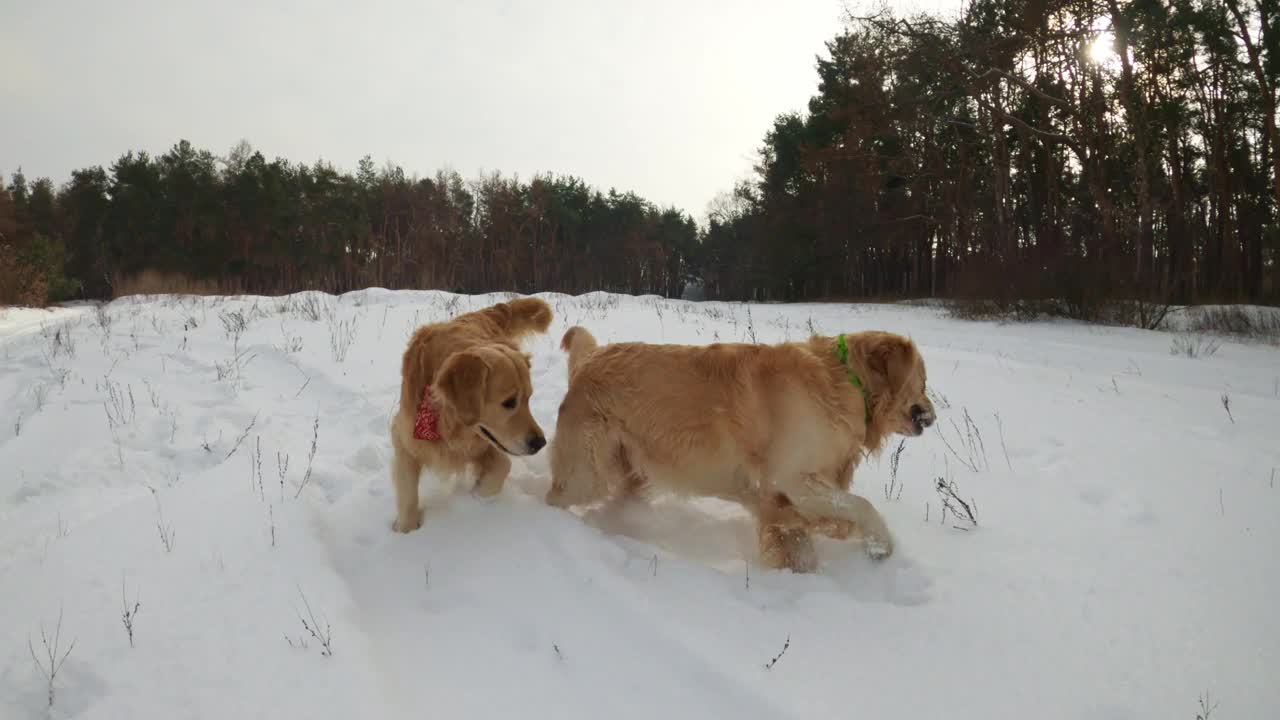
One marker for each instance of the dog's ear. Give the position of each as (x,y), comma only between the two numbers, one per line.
(461,381)
(890,357)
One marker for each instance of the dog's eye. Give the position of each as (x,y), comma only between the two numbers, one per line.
(509,403)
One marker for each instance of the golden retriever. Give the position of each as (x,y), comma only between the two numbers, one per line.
(778,429)
(464,401)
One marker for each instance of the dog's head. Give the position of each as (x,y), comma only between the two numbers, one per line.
(487,390)
(898,383)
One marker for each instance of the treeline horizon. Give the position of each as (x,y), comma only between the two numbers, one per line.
(1001,156)
(191,220)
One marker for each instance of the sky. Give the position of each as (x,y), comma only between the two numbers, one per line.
(668,98)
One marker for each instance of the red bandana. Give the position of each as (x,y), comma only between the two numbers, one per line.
(425,428)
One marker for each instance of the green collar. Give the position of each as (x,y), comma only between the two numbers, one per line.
(842,350)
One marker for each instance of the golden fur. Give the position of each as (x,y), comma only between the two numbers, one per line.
(776,428)
(480,389)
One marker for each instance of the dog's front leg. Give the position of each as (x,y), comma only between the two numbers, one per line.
(838,513)
(784,539)
(837,528)
(491,473)
(405,471)
(834,528)
(789,548)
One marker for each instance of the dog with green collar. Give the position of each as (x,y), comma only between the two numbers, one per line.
(779,429)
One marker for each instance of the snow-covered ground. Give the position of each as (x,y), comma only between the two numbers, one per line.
(1123,565)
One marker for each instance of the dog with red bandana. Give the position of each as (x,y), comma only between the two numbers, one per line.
(464,401)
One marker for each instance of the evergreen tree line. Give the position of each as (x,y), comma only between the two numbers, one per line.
(188,220)
(997,155)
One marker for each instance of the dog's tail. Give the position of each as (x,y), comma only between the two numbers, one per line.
(520,317)
(578,343)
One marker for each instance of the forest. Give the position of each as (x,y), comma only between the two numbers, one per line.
(1062,155)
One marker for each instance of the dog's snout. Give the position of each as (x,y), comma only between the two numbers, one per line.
(921,416)
(536,443)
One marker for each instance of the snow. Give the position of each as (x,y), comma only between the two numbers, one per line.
(16,321)
(1123,563)
(1246,320)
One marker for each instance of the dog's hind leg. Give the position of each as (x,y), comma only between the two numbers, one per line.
(577,468)
(624,479)
(576,477)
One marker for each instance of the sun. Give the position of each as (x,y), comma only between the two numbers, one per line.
(1102,50)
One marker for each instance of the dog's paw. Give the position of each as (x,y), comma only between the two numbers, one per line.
(555,497)
(878,548)
(407,524)
(488,487)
